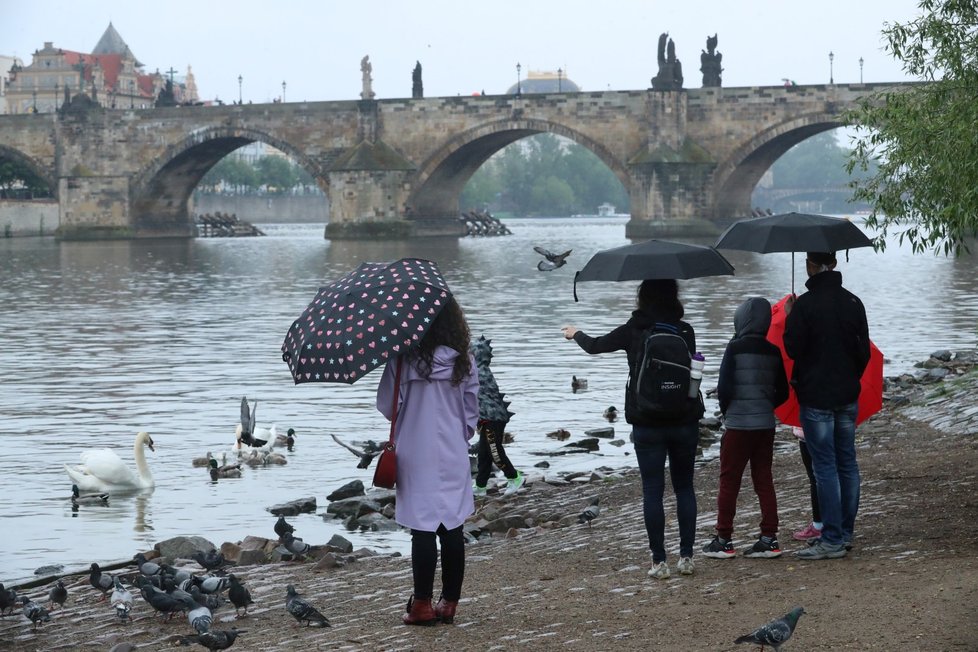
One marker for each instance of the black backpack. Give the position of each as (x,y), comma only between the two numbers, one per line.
(661,378)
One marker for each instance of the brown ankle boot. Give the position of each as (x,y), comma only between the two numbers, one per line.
(445,610)
(419,612)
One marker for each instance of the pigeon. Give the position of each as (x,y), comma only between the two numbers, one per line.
(148,568)
(590,513)
(212,601)
(99,581)
(282,526)
(78,498)
(370,450)
(58,594)
(212,560)
(294,544)
(178,575)
(611,414)
(302,610)
(218,639)
(161,602)
(240,596)
(35,612)
(8,600)
(553,261)
(776,632)
(210,584)
(200,619)
(121,600)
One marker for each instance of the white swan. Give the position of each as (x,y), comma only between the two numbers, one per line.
(103,470)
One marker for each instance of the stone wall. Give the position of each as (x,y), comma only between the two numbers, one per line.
(268,209)
(27,218)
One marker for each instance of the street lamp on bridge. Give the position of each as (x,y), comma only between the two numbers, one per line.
(240,79)
(518,78)
(860,71)
(283,92)
(560,74)
(831,57)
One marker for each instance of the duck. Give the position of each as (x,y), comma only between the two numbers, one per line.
(611,414)
(222,471)
(578,383)
(103,470)
(287,440)
(263,443)
(78,498)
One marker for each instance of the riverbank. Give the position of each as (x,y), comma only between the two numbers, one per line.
(909,583)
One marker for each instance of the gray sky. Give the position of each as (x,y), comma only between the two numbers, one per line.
(315,46)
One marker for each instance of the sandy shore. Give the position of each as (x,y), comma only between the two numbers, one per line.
(910,582)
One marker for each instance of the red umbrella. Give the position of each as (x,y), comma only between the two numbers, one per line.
(870,397)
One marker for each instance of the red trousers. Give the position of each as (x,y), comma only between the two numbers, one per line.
(737,449)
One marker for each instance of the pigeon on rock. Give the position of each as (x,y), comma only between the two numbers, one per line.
(147,568)
(553,261)
(590,513)
(776,632)
(212,560)
(58,594)
(301,610)
(295,545)
(218,639)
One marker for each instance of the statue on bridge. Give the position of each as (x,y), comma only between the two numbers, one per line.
(710,63)
(417,89)
(365,68)
(670,76)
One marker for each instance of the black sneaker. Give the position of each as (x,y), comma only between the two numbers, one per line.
(764,548)
(719,549)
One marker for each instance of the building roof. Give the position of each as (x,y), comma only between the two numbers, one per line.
(545,81)
(112,43)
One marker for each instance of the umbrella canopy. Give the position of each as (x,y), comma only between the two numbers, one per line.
(870,396)
(793,232)
(653,259)
(357,322)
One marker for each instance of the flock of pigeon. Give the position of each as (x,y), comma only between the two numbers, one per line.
(169,591)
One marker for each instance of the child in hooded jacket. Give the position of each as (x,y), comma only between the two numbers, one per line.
(751,384)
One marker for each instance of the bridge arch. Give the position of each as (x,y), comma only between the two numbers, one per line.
(160,193)
(737,175)
(23,160)
(441,178)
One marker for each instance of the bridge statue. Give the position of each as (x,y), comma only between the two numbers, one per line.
(670,76)
(710,63)
(417,89)
(367,93)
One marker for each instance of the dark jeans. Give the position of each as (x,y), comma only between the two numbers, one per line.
(830,436)
(424,558)
(652,446)
(737,449)
(491,452)
(806,459)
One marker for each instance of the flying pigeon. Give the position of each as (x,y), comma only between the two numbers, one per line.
(553,260)
(218,639)
(776,632)
(121,600)
(301,610)
(35,612)
(590,513)
(99,581)
(282,526)
(370,450)
(58,594)
(240,596)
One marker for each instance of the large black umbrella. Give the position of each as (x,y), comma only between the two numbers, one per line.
(357,322)
(793,232)
(653,259)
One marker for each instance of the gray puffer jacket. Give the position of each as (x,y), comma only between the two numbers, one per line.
(752,381)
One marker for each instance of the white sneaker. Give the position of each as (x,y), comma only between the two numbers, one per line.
(478,491)
(514,485)
(685,566)
(660,571)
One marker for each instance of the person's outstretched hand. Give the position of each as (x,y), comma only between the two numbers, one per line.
(789,304)
(568,332)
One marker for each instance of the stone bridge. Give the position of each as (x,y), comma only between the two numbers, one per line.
(394,168)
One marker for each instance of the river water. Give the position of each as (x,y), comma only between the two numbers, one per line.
(103,339)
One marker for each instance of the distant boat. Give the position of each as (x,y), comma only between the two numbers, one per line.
(605,210)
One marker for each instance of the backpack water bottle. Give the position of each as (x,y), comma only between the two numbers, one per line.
(696,373)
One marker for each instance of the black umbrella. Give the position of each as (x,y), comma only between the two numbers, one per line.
(653,259)
(357,322)
(793,232)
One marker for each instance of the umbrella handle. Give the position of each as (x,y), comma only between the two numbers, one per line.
(576,274)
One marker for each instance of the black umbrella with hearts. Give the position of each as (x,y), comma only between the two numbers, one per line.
(358,322)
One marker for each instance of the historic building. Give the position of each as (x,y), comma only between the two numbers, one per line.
(110,75)
(545,81)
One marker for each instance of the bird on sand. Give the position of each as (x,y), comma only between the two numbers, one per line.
(8,600)
(282,526)
(35,612)
(553,261)
(121,600)
(218,639)
(58,594)
(301,610)
(240,596)
(774,633)
(590,512)
(99,581)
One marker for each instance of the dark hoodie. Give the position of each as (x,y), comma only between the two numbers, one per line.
(752,381)
(628,338)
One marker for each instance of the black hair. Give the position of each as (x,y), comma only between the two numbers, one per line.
(660,296)
(449,329)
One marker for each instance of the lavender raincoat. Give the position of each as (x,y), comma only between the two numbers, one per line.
(435,420)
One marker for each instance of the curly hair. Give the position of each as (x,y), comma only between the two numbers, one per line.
(660,296)
(449,329)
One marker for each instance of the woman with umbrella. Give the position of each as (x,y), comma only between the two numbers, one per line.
(437,411)
(657,438)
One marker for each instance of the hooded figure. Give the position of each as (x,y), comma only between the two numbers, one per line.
(752,381)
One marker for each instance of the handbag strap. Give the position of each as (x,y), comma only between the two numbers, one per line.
(397,396)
